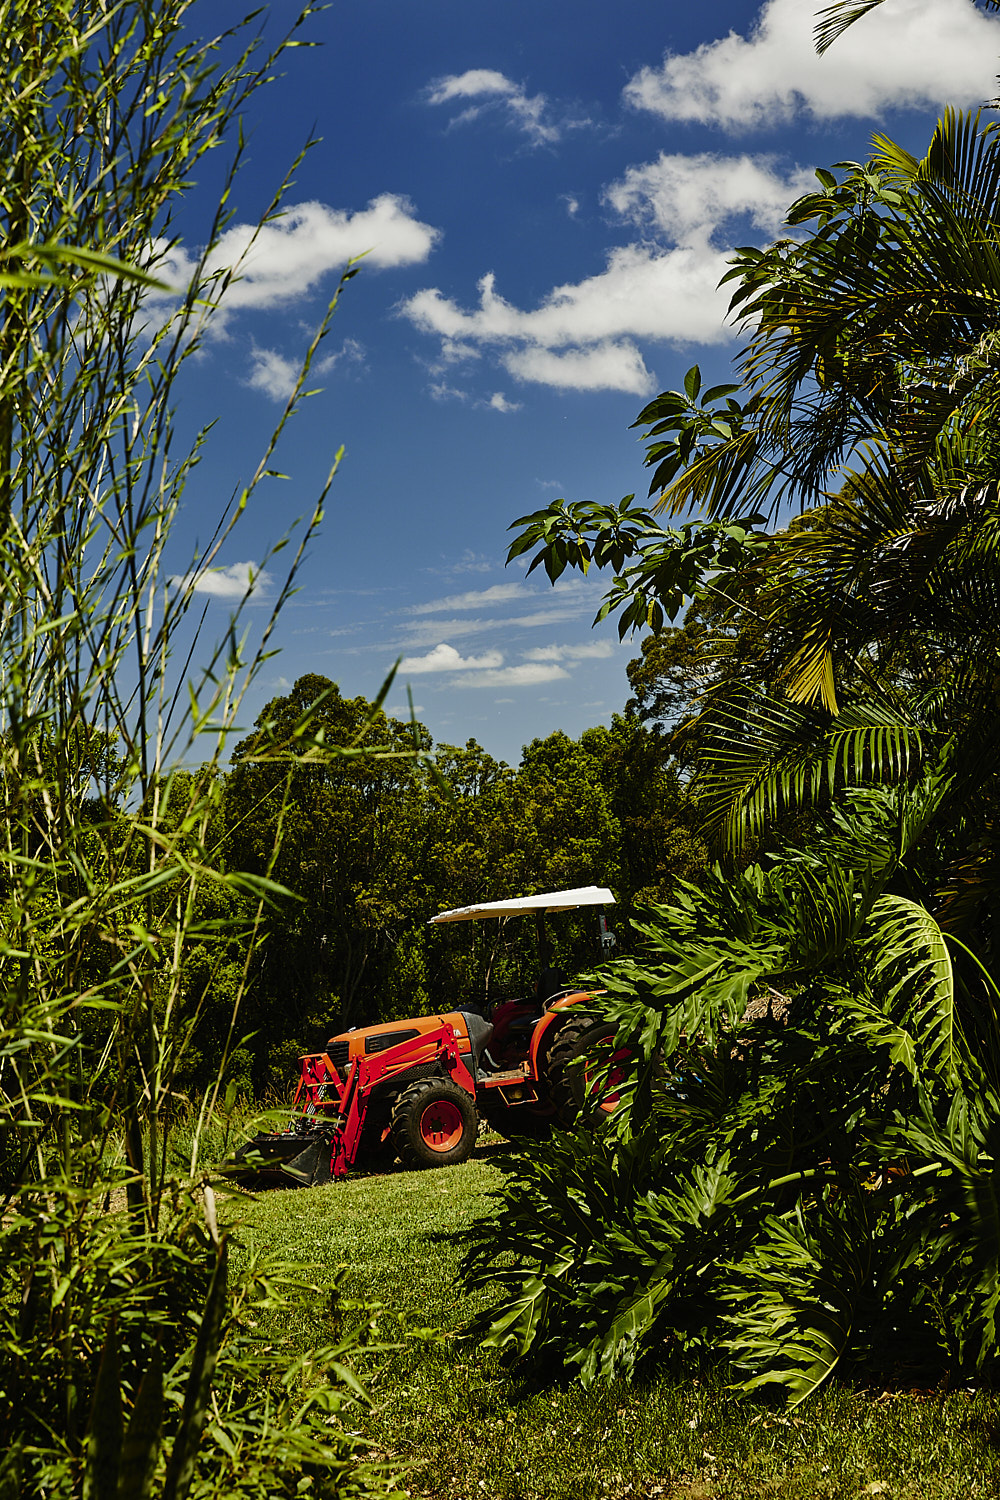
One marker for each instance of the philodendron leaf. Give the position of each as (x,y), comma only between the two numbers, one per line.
(104,1430)
(142,1438)
(520,1322)
(180,1470)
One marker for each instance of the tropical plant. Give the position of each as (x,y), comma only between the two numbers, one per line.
(131,1358)
(870,387)
(808,1195)
(835,18)
(803,1175)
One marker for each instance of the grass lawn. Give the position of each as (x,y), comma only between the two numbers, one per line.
(460,1427)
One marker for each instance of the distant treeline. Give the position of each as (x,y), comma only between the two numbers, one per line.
(371,847)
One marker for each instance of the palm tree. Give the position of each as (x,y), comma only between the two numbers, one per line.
(801,1195)
(869,399)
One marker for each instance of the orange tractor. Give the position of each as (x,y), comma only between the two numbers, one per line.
(419,1089)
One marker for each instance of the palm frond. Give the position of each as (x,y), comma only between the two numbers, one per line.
(766,757)
(834,20)
(911,966)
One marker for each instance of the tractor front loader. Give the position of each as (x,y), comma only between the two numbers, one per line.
(417,1089)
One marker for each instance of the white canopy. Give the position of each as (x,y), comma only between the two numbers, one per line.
(584,895)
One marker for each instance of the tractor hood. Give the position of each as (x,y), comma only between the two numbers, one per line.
(584,895)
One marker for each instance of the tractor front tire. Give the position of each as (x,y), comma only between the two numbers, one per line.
(434,1124)
(578,1047)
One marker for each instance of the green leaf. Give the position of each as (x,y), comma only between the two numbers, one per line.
(519,1323)
(180,1469)
(912,963)
(10,1475)
(142,1437)
(104,1429)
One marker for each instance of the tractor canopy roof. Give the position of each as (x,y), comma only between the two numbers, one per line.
(584,895)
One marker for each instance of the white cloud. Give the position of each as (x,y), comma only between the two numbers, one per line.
(528,113)
(906,54)
(587,651)
(665,287)
(428,632)
(351,352)
(276,375)
(442,391)
(609,366)
(690,198)
(481,671)
(472,599)
(287,257)
(551,614)
(526,674)
(499,402)
(445,658)
(469,562)
(570,599)
(232,582)
(583,335)
(453,352)
(272,373)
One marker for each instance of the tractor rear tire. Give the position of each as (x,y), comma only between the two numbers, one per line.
(434,1124)
(577,1044)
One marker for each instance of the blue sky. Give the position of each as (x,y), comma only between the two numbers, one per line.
(547,193)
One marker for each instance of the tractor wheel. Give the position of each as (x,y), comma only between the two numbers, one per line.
(578,1050)
(434,1124)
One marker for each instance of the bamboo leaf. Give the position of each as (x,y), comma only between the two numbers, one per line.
(10,1475)
(142,1437)
(183,1455)
(104,1429)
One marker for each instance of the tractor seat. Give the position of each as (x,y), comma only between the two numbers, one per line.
(523,1024)
(480,1031)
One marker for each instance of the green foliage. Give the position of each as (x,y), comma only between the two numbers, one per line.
(130,1362)
(867,628)
(462,1420)
(817,1194)
(807,1194)
(665,568)
(373,845)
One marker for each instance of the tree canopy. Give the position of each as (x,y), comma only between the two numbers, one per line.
(371,846)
